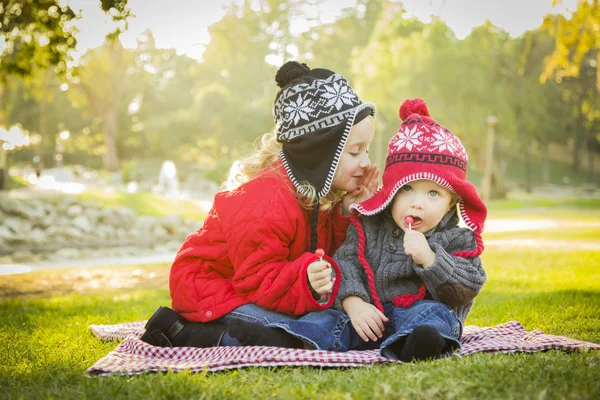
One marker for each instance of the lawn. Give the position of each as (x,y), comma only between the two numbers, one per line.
(146,203)
(46,344)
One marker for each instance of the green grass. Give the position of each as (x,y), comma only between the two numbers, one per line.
(522,201)
(46,345)
(17,182)
(146,203)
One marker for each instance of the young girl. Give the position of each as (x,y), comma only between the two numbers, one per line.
(253,258)
(409,273)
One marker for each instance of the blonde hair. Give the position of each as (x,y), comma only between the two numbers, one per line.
(266,157)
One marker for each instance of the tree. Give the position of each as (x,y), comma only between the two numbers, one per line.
(574,38)
(577,54)
(103,88)
(37,36)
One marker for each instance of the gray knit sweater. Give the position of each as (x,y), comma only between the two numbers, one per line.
(454,281)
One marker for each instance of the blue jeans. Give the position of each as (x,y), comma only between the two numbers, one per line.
(330,329)
(323,326)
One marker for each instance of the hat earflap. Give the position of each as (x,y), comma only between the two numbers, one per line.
(363,261)
(473,212)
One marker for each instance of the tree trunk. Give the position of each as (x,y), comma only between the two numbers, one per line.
(110,158)
(498,188)
(43,128)
(591,157)
(545,164)
(576,148)
(3,169)
(527,168)
(3,153)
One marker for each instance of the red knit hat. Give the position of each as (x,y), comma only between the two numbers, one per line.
(423,149)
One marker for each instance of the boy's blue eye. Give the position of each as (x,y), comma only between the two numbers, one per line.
(407,188)
(433,193)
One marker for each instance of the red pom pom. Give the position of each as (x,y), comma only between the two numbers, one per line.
(414,106)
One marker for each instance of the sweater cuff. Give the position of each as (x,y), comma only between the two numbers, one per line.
(353,288)
(440,271)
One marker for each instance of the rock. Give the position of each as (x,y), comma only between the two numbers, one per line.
(66,221)
(83,223)
(10,205)
(5,260)
(17,225)
(146,224)
(6,233)
(92,213)
(37,237)
(33,210)
(110,216)
(159,231)
(105,232)
(74,210)
(25,256)
(172,223)
(68,200)
(127,216)
(65,254)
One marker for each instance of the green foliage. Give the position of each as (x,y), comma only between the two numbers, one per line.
(575,37)
(149,103)
(39,34)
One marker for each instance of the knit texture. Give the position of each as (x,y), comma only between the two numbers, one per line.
(313,114)
(424,149)
(452,280)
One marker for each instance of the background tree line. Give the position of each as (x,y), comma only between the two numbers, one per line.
(123,106)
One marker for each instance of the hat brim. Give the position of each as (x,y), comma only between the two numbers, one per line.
(472,209)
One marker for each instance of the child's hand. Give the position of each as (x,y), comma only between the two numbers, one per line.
(365,190)
(366,319)
(416,246)
(319,276)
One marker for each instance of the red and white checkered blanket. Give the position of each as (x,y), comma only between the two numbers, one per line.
(133,356)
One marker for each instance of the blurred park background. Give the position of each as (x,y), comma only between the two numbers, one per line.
(119,119)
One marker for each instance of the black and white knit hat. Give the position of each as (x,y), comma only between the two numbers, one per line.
(314,112)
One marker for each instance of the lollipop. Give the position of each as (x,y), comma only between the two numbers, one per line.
(325,297)
(408,221)
(320,253)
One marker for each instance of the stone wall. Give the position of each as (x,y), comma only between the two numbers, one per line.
(66,228)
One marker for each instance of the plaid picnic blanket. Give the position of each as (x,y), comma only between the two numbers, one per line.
(132,356)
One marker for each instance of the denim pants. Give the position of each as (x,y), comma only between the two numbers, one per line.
(331,329)
(322,327)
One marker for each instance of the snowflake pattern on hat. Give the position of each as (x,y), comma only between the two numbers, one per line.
(406,138)
(427,139)
(298,109)
(309,107)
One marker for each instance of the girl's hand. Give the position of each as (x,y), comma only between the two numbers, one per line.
(366,319)
(319,276)
(365,190)
(416,246)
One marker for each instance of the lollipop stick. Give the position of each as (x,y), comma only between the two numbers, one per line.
(409,221)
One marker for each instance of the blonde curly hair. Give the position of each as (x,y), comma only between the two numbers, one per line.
(266,157)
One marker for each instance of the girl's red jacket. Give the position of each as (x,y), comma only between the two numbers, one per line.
(254,247)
